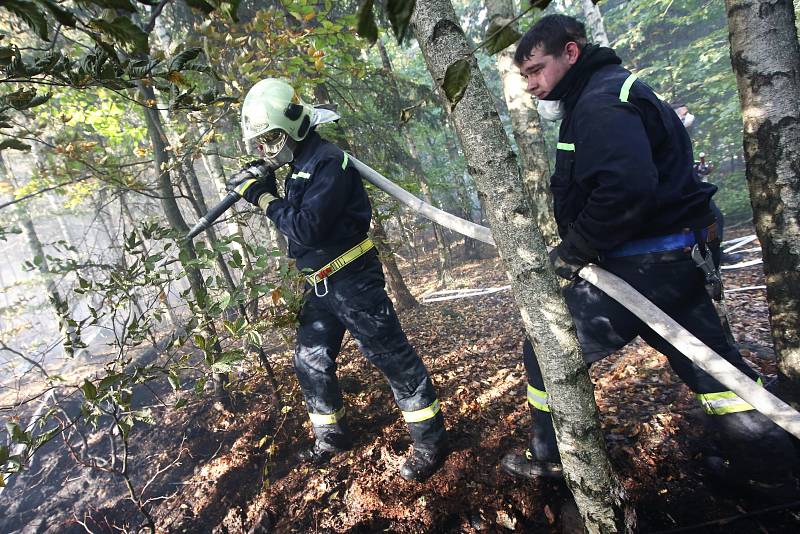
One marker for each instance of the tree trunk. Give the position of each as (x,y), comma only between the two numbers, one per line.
(594,22)
(766,60)
(442,252)
(493,165)
(408,239)
(169,204)
(403,298)
(527,128)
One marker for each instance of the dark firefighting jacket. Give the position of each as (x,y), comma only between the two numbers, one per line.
(325,210)
(624,165)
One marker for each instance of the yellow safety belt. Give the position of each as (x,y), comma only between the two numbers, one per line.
(336,265)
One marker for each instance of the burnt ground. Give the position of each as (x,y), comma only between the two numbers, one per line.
(213,469)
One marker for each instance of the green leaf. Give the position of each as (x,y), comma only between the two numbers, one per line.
(141,68)
(174,380)
(59,13)
(16,433)
(500,36)
(3,454)
(89,391)
(110,380)
(456,79)
(226,362)
(31,14)
(14,144)
(229,8)
(177,63)
(123,31)
(199,386)
(366,28)
(399,12)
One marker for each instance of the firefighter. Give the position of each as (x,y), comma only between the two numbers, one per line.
(325,214)
(625,198)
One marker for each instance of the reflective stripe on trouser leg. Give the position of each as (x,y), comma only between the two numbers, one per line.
(319,337)
(538,399)
(428,412)
(318,419)
(724,402)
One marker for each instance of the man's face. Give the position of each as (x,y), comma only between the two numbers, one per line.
(543,71)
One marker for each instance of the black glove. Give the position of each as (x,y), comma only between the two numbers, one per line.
(571,255)
(254,180)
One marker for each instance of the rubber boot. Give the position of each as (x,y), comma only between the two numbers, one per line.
(755,455)
(430,449)
(542,459)
(329,441)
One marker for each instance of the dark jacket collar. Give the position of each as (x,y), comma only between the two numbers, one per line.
(306,149)
(592,58)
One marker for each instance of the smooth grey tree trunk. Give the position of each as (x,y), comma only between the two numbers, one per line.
(493,165)
(527,127)
(766,60)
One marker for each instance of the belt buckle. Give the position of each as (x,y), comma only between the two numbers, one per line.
(325,285)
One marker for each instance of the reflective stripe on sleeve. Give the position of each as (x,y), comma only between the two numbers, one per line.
(344,161)
(625,92)
(244,186)
(301,174)
(421,415)
(538,398)
(570,147)
(326,418)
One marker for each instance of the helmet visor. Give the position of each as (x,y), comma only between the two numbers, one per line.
(271,142)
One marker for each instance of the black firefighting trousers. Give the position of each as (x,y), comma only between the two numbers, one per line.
(672,281)
(356,301)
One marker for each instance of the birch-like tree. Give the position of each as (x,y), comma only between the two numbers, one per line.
(526,124)
(594,22)
(766,60)
(547,321)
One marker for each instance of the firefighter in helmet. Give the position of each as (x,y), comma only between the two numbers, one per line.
(325,213)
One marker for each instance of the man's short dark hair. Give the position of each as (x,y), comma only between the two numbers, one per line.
(552,32)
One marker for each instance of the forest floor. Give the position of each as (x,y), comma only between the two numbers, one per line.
(235,471)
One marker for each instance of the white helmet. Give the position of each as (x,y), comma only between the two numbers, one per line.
(273,104)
